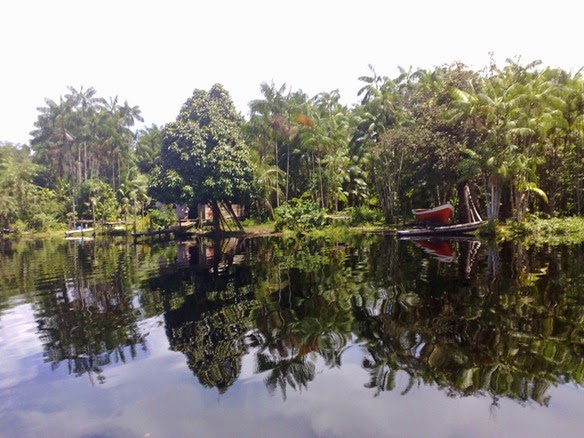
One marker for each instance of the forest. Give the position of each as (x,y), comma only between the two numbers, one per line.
(514,134)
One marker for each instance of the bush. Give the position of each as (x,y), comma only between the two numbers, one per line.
(365,215)
(43,222)
(163,218)
(300,215)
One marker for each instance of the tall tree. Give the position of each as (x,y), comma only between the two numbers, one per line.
(203,156)
(83,137)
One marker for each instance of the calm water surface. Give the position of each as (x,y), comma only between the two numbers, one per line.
(269,337)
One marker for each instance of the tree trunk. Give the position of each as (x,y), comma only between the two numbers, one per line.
(229,208)
(277,178)
(93,218)
(216,223)
(73,210)
(287,169)
(463,207)
(135,219)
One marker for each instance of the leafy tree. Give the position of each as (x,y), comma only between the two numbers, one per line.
(20,198)
(97,200)
(411,151)
(203,156)
(83,137)
(13,183)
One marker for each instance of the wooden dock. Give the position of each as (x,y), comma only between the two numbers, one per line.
(80,232)
(175,229)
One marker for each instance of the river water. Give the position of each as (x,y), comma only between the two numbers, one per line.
(267,336)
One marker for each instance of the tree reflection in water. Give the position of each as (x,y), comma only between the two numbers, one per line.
(85,316)
(511,335)
(489,319)
(207,311)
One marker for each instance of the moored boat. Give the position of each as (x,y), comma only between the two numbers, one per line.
(435,221)
(445,229)
(438,215)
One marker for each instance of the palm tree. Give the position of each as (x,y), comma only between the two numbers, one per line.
(265,115)
(139,195)
(148,145)
(267,179)
(86,106)
(274,128)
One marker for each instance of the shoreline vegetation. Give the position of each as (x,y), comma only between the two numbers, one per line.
(532,232)
(506,141)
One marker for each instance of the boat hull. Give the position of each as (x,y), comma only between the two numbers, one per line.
(438,215)
(443,230)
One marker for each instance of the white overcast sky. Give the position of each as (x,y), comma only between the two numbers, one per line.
(155,53)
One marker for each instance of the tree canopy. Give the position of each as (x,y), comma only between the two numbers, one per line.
(203,156)
(514,133)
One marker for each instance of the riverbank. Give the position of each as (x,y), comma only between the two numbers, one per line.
(554,231)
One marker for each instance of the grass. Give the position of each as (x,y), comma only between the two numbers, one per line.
(555,231)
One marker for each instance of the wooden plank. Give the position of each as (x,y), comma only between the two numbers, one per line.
(176,229)
(80,231)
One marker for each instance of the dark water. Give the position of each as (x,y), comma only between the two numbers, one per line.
(269,337)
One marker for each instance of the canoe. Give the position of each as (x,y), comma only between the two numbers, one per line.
(438,215)
(443,230)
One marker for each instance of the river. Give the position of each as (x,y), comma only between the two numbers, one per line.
(269,336)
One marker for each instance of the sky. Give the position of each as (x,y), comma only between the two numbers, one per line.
(154,54)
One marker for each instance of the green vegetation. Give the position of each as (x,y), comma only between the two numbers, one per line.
(514,134)
(549,231)
(162,218)
(302,216)
(203,158)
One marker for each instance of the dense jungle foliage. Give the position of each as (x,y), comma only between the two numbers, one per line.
(514,134)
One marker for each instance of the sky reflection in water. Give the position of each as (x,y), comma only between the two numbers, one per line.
(155,393)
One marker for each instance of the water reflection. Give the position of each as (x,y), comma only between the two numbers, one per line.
(440,249)
(468,317)
(508,332)
(85,313)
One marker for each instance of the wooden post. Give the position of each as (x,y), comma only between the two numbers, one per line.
(466,203)
(473,213)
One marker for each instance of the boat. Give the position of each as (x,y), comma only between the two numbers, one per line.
(435,221)
(442,230)
(438,215)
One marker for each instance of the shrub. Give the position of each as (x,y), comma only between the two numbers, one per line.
(300,215)
(43,222)
(365,215)
(550,231)
(163,218)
